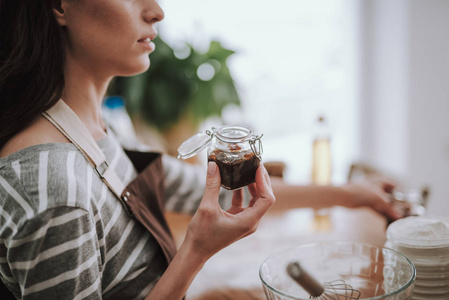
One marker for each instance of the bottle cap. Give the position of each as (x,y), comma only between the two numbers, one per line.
(114,102)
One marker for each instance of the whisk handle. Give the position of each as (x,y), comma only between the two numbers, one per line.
(304,279)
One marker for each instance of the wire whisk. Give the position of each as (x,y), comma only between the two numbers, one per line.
(333,290)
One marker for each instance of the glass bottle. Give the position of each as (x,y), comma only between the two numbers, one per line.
(321,155)
(117,118)
(322,170)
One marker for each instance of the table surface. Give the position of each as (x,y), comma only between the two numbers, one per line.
(233,273)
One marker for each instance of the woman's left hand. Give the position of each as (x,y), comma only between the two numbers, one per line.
(374,192)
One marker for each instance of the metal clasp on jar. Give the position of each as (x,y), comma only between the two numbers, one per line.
(258,150)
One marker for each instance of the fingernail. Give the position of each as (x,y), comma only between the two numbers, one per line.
(212,168)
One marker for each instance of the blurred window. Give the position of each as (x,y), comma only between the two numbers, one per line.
(295,60)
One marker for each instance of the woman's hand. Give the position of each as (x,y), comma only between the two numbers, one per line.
(212,229)
(375,193)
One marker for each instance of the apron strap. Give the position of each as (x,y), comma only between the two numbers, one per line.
(148,213)
(61,116)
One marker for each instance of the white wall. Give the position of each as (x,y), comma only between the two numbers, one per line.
(405,92)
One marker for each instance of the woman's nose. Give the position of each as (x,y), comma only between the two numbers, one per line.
(153,12)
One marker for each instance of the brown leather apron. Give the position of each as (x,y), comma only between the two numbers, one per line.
(143,198)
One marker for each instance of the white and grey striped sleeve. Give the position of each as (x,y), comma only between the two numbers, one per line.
(47,250)
(184,186)
(47,264)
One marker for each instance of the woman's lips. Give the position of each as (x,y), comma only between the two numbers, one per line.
(147,43)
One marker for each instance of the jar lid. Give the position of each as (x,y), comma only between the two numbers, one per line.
(420,232)
(195,144)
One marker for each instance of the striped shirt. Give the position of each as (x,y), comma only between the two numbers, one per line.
(63,233)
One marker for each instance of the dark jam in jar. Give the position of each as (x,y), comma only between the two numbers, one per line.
(235,150)
(236,170)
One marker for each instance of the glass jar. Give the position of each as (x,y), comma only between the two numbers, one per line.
(235,150)
(409,201)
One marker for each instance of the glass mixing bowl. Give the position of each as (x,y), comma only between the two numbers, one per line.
(377,272)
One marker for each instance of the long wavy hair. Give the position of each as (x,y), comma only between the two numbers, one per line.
(32,56)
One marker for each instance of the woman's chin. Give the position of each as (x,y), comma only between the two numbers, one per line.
(135,69)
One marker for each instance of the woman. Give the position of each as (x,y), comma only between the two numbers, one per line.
(64,234)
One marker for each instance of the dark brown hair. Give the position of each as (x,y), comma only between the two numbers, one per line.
(32,56)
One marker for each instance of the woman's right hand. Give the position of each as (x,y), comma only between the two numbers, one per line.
(212,228)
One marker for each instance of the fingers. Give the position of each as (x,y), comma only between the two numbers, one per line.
(264,195)
(388,187)
(267,177)
(237,202)
(253,190)
(384,207)
(386,183)
(263,183)
(237,198)
(213,181)
(390,212)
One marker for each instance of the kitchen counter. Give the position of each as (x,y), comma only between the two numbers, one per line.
(233,273)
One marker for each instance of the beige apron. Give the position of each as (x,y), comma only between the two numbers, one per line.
(143,198)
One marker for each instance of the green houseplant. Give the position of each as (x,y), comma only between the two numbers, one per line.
(179,90)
